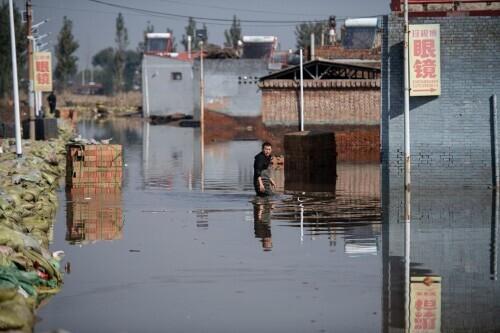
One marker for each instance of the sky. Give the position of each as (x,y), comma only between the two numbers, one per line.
(94,23)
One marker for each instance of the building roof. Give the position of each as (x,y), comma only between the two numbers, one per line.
(325,70)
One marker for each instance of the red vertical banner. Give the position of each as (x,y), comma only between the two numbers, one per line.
(425,60)
(42,71)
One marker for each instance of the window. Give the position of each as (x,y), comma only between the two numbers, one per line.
(176,76)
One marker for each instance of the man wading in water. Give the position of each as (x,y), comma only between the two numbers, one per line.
(261,180)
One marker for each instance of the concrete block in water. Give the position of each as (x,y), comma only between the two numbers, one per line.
(311,162)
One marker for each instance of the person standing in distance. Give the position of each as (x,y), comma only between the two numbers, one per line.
(261,180)
(52,100)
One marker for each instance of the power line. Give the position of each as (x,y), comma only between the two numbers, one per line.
(151,12)
(185,3)
(158,16)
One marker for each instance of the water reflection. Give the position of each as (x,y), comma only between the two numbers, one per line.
(93,215)
(333,264)
(262,208)
(452,242)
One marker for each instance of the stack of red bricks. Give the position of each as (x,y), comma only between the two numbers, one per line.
(94,168)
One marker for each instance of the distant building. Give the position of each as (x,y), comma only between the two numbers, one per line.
(259,47)
(167,78)
(158,43)
(334,94)
(171,80)
(341,97)
(437,8)
(360,43)
(231,85)
(451,130)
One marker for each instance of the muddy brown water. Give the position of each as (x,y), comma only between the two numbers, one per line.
(187,247)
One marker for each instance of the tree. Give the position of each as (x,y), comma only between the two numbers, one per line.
(233,35)
(104,60)
(190,31)
(64,51)
(141,47)
(303,33)
(121,40)
(174,43)
(205,40)
(21,45)
(131,72)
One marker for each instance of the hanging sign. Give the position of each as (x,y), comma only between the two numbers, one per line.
(43,71)
(425,68)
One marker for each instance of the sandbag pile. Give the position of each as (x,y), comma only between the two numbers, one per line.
(28,203)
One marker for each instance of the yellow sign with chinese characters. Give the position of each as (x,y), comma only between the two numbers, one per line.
(425,304)
(43,71)
(425,67)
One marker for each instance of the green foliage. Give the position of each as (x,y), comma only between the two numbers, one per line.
(66,67)
(303,33)
(132,69)
(233,35)
(105,61)
(191,31)
(174,43)
(121,40)
(141,47)
(5,52)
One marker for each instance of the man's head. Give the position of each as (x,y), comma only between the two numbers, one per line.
(267,149)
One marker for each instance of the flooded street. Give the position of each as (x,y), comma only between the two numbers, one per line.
(187,247)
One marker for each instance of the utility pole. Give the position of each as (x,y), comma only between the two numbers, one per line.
(15,88)
(407,163)
(31,95)
(301,91)
(407,188)
(202,92)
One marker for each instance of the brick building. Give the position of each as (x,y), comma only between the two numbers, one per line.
(334,94)
(451,133)
(337,96)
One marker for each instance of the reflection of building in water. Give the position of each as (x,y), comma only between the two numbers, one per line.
(172,160)
(453,236)
(123,131)
(358,179)
(356,219)
(262,222)
(93,214)
(171,157)
(229,165)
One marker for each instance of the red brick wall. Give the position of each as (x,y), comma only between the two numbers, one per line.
(339,52)
(327,102)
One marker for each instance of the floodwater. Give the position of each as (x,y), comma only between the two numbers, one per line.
(186,247)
